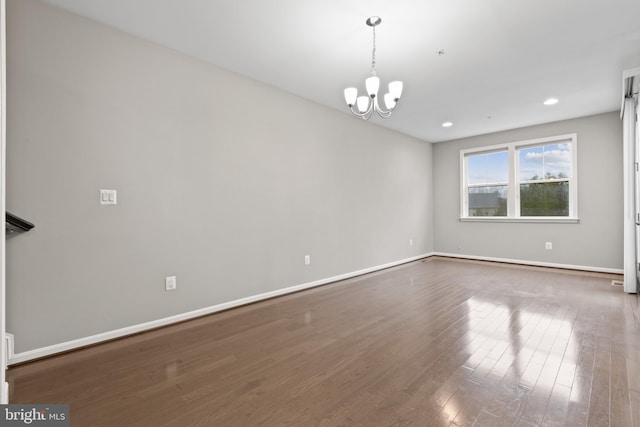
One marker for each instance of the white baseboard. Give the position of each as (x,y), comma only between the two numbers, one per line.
(37,353)
(532,263)
(4,395)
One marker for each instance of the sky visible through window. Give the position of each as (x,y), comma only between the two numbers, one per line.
(488,168)
(545,162)
(536,163)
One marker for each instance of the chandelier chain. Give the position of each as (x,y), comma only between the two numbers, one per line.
(373,52)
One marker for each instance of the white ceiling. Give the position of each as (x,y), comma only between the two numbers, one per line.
(502,59)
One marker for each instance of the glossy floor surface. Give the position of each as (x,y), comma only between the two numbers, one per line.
(438,342)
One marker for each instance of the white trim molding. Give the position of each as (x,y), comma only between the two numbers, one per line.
(4,386)
(8,343)
(630,115)
(147,326)
(532,263)
(531,219)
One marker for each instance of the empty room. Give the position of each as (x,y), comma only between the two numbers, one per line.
(362,213)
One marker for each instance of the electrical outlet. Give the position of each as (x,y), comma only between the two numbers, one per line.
(548,245)
(170,283)
(307,259)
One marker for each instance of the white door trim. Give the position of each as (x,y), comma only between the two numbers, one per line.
(4,386)
(630,172)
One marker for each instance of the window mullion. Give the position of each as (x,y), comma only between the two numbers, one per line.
(512,190)
(464,198)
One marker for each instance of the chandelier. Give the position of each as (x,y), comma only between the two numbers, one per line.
(365,105)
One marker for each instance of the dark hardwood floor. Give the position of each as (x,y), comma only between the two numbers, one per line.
(439,342)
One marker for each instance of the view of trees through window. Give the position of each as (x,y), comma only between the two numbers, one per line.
(544,199)
(544,173)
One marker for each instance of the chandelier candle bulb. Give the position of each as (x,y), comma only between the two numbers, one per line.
(350,95)
(366,105)
(372,84)
(363,104)
(395,89)
(389,101)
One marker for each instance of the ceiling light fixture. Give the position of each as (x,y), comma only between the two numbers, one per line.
(366,105)
(550,101)
(447,124)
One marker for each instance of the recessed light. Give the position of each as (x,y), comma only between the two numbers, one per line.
(447,124)
(550,101)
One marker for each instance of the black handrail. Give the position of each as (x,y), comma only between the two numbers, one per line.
(14,223)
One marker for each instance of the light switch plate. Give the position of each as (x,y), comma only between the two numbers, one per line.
(108,197)
(170,283)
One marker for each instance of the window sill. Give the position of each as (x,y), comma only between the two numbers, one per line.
(547,220)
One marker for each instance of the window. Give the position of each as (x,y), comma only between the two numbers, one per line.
(529,180)
(487,183)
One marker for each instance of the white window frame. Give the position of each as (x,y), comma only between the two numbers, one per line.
(513,184)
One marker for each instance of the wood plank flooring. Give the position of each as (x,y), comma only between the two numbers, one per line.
(439,342)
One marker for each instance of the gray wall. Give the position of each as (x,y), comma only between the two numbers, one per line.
(222,181)
(595,242)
